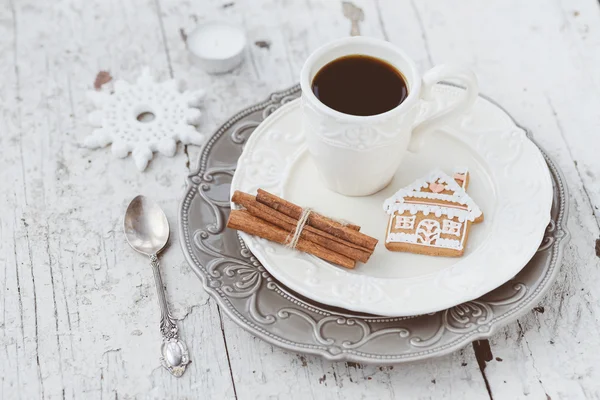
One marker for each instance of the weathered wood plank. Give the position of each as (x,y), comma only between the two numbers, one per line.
(534,58)
(77,314)
(80,318)
(261,370)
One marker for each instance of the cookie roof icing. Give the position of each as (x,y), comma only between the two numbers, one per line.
(457,203)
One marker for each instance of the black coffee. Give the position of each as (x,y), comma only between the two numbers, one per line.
(360,85)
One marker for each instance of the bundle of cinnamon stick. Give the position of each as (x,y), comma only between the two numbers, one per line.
(273,218)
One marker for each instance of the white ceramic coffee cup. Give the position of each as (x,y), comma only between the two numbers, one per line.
(359,155)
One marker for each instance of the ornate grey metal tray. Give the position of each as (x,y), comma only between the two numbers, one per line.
(258,303)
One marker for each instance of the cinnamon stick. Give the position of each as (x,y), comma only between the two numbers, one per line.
(309,233)
(244,221)
(293,210)
(316,220)
(247,200)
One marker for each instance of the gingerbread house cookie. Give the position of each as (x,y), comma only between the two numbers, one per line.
(432,215)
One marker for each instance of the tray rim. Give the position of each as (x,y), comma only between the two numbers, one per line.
(561,236)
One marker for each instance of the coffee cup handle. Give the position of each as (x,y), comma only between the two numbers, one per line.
(444,72)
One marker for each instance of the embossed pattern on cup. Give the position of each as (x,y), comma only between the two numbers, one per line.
(359,155)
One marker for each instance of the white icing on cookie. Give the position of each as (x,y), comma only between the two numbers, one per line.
(396,203)
(449,243)
(402,237)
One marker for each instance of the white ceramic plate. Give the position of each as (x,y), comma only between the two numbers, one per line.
(509,181)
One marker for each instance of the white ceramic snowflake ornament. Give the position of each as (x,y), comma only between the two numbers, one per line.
(124,118)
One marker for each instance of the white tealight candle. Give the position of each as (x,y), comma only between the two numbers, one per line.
(217,47)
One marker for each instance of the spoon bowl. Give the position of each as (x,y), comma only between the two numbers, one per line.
(146,226)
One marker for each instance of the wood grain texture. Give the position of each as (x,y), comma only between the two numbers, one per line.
(79,311)
(545,353)
(78,314)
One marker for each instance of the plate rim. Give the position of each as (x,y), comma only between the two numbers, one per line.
(389,309)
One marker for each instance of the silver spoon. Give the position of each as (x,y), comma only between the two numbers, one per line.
(147,232)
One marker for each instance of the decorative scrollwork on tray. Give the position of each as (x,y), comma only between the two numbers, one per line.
(204,186)
(238,134)
(215,205)
(548,237)
(246,277)
(199,238)
(318,325)
(237,277)
(463,318)
(471,316)
(210,174)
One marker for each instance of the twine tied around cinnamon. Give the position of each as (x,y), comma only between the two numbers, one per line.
(299,227)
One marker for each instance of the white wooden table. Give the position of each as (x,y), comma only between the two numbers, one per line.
(78,312)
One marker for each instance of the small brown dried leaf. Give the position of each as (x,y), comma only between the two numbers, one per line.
(102,78)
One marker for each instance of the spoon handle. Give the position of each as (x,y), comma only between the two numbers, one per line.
(174,354)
